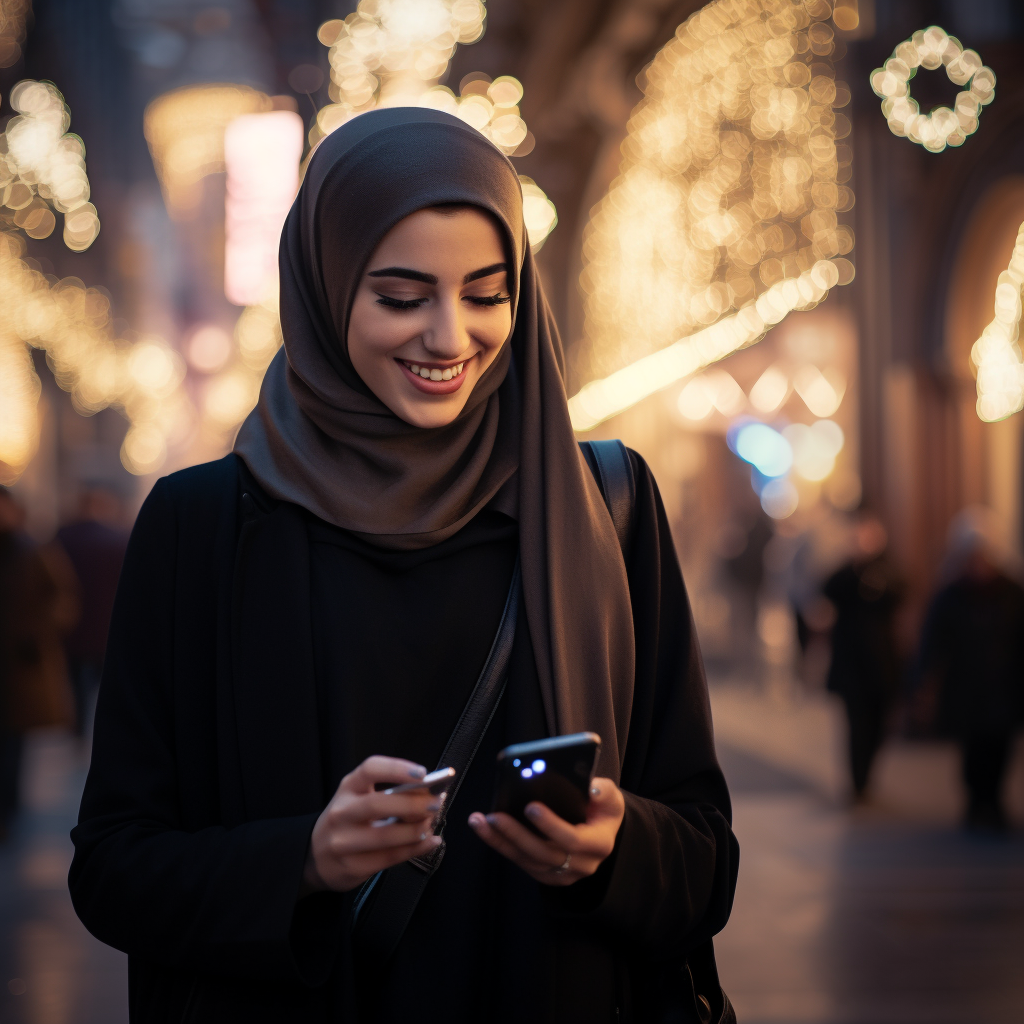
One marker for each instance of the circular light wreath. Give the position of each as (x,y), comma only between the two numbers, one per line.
(932,48)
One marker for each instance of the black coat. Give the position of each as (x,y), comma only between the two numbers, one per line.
(207,779)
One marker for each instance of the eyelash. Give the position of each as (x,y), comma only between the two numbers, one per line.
(491,300)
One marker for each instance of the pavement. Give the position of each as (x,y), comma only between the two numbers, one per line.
(883,914)
(889,913)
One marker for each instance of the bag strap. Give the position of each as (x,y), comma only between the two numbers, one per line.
(385,903)
(610,463)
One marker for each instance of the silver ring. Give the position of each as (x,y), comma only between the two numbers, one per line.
(563,867)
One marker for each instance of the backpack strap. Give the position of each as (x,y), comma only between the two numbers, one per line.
(613,470)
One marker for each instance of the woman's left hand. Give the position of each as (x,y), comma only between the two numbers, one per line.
(570,852)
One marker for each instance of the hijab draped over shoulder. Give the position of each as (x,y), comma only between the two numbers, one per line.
(321,439)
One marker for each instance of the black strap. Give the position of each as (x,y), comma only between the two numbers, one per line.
(609,462)
(385,903)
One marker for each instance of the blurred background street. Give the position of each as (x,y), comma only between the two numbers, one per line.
(784,243)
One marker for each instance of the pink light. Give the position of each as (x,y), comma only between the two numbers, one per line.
(261,152)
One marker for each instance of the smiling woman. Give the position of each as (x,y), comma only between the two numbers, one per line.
(306,625)
(432,327)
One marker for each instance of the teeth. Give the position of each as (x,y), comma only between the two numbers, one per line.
(435,374)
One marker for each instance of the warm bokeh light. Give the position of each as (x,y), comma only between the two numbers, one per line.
(72,325)
(822,392)
(933,48)
(725,214)
(996,355)
(261,155)
(185,131)
(770,390)
(42,165)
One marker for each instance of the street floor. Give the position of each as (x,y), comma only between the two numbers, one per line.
(884,914)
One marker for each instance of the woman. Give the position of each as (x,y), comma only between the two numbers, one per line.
(307,617)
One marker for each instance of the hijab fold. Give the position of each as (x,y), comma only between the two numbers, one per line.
(321,439)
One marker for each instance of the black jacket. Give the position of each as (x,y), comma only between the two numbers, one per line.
(206,777)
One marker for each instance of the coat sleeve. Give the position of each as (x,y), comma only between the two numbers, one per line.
(209,899)
(669,883)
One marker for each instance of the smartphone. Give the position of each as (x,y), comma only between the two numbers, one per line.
(555,772)
(435,783)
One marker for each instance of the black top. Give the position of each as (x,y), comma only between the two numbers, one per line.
(250,664)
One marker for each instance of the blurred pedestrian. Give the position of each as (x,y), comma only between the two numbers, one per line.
(33,676)
(972,655)
(95,542)
(864,670)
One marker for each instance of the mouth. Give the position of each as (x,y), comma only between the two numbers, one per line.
(434,380)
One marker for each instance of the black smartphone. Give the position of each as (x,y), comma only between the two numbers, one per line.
(555,772)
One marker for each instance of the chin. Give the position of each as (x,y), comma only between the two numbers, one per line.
(428,415)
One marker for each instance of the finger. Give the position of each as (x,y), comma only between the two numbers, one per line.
(394,770)
(565,836)
(373,806)
(493,838)
(540,850)
(366,838)
(606,799)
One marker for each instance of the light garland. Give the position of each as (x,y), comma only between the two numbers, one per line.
(931,48)
(42,168)
(724,217)
(996,355)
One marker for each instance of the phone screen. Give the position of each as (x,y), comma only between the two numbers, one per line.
(555,772)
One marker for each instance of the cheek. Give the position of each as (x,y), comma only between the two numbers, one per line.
(372,334)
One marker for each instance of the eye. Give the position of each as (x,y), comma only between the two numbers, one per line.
(391,303)
(489,300)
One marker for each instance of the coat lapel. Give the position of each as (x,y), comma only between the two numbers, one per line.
(272,664)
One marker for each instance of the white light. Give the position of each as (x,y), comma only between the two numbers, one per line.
(779,498)
(261,154)
(526,773)
(539,766)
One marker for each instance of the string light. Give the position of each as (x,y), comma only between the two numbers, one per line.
(185,131)
(996,355)
(42,168)
(725,213)
(932,48)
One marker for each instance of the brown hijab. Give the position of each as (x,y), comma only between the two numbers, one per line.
(321,439)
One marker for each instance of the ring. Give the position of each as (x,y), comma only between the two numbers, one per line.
(563,867)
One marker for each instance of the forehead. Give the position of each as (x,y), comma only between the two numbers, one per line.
(453,235)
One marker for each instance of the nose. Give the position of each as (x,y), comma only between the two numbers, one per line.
(447,336)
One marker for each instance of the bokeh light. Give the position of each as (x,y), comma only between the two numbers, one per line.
(996,355)
(13,17)
(725,214)
(42,165)
(933,48)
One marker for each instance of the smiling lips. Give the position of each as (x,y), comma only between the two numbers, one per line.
(434,380)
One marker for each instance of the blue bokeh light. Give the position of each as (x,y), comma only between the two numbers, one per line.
(765,449)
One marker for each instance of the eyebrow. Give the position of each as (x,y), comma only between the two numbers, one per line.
(417,275)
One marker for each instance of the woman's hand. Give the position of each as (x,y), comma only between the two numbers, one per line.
(570,852)
(346,848)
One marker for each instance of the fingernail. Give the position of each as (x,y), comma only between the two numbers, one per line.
(533,811)
(435,806)
(490,819)
(476,820)
(423,835)
(595,791)
(418,772)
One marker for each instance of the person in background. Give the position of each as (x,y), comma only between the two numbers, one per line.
(972,656)
(95,542)
(33,677)
(864,672)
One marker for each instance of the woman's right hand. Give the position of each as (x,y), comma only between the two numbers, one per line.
(346,848)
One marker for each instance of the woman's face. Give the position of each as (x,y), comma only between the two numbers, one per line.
(431,313)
